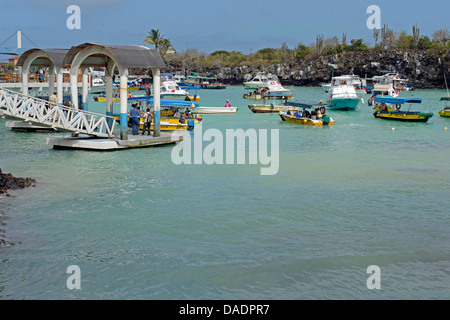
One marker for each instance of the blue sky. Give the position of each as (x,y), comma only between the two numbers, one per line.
(210,25)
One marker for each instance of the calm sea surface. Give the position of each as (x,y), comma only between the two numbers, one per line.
(346,197)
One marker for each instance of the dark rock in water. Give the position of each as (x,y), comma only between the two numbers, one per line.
(8,182)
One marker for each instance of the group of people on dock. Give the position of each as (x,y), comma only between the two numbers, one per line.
(135,118)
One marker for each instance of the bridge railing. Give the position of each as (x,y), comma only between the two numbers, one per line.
(30,109)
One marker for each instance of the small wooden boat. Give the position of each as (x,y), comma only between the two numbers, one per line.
(314,116)
(384,109)
(213,110)
(444,112)
(103,99)
(271,108)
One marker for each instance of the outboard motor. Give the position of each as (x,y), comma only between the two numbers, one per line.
(191,124)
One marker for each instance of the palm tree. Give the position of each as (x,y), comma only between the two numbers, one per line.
(154,37)
(165,46)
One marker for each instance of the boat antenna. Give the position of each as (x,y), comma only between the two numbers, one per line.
(448,95)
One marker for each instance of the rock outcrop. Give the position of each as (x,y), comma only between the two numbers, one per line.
(8,182)
(423,69)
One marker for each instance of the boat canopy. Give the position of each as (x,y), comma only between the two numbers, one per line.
(196,76)
(175,103)
(397,100)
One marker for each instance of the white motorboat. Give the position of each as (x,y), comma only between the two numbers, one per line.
(180,78)
(275,86)
(170,89)
(342,95)
(259,80)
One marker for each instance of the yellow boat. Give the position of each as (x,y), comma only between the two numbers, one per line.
(265,108)
(445,112)
(315,117)
(192,98)
(382,111)
(103,99)
(166,123)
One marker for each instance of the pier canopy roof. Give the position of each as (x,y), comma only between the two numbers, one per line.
(43,57)
(125,56)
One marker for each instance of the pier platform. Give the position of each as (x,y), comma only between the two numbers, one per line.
(99,144)
(28,127)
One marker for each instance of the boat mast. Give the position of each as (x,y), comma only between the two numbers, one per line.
(448,95)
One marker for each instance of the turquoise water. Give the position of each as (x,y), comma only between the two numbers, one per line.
(345,197)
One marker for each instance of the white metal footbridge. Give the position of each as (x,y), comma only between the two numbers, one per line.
(18,106)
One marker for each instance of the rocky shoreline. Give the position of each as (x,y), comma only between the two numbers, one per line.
(9,182)
(424,69)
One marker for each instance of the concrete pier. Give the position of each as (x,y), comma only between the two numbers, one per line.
(28,127)
(96,144)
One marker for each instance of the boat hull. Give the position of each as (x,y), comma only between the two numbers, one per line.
(166,123)
(192,98)
(306,121)
(403,116)
(258,108)
(444,113)
(103,99)
(343,104)
(213,110)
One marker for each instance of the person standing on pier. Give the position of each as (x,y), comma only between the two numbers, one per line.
(135,119)
(147,121)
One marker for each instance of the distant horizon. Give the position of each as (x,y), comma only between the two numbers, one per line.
(244,26)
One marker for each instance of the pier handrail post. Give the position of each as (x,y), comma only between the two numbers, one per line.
(156,102)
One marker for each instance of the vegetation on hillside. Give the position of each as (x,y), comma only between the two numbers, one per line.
(384,39)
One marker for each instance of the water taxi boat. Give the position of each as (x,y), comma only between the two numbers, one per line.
(265,93)
(315,117)
(384,109)
(444,112)
(342,94)
(204,82)
(173,116)
(213,110)
(271,108)
(259,80)
(392,78)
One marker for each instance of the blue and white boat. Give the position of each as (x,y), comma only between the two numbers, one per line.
(342,94)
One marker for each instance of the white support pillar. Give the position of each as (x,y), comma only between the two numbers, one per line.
(123,104)
(51,80)
(74,89)
(109,72)
(25,80)
(156,102)
(59,85)
(85,86)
